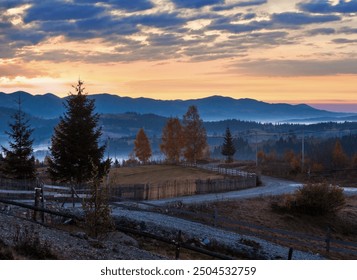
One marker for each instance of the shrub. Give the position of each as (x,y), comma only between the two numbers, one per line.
(311,199)
(97,211)
(28,244)
(319,199)
(5,251)
(283,203)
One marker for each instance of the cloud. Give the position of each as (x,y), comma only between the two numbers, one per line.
(321,31)
(236,46)
(165,40)
(348,30)
(344,41)
(9,4)
(226,7)
(60,10)
(128,30)
(157,20)
(126,5)
(106,25)
(11,71)
(225,23)
(325,6)
(287,68)
(195,4)
(287,20)
(297,19)
(251,3)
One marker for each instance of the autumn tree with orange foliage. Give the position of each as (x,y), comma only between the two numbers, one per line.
(293,160)
(195,138)
(339,158)
(172,140)
(142,148)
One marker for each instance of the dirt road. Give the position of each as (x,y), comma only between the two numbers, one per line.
(271,186)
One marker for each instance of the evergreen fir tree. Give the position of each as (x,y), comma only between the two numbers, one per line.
(228,148)
(75,144)
(19,162)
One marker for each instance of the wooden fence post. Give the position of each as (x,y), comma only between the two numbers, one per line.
(147,189)
(37,202)
(290,256)
(215,217)
(328,239)
(42,204)
(178,245)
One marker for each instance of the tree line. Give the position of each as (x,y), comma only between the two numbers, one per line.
(314,155)
(186,140)
(75,151)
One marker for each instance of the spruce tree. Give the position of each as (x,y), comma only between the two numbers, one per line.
(19,162)
(75,148)
(228,148)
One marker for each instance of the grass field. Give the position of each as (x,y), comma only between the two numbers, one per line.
(157,174)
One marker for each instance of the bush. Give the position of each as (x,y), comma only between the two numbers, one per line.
(319,199)
(97,211)
(28,244)
(5,251)
(312,199)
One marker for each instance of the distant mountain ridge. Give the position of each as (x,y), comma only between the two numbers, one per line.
(210,108)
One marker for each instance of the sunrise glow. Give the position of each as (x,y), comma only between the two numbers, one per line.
(299,51)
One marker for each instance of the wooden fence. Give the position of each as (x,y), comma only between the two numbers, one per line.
(13,184)
(178,188)
(221,170)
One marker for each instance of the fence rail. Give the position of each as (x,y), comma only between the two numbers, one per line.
(221,170)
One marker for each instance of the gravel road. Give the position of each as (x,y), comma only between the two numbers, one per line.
(252,247)
(271,186)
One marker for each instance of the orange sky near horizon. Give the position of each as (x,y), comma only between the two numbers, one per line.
(298,51)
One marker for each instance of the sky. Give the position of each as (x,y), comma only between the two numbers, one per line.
(294,51)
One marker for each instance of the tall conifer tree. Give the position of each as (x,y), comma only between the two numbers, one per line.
(75,148)
(228,148)
(19,162)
